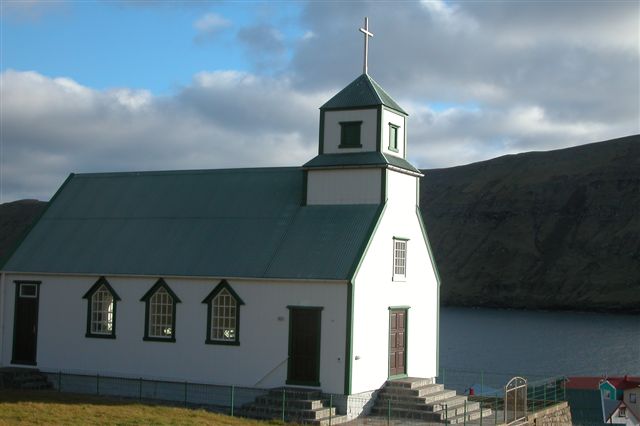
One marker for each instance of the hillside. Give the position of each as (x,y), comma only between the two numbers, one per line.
(539,230)
(15,218)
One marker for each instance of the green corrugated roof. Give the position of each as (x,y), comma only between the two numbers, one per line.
(222,223)
(369,158)
(362,92)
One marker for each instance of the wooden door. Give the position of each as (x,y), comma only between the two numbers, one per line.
(304,346)
(397,342)
(25,325)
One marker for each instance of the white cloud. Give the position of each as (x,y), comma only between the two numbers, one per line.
(54,126)
(211,22)
(514,76)
(208,26)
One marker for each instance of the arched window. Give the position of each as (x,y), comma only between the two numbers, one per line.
(101,310)
(223,315)
(160,313)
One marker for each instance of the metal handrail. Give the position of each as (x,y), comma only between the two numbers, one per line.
(271,371)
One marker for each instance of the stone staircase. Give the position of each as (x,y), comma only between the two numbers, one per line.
(23,378)
(300,406)
(420,399)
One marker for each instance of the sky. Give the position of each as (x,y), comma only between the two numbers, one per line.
(91,86)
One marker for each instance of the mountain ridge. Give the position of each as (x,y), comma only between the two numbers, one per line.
(551,230)
(540,230)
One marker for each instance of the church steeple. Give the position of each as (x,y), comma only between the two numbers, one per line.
(362,133)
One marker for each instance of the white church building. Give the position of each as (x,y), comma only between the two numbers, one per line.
(318,276)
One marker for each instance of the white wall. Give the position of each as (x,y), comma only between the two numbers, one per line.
(264,331)
(332,130)
(352,186)
(375,291)
(398,120)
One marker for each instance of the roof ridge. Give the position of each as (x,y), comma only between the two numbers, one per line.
(372,86)
(185,171)
(377,86)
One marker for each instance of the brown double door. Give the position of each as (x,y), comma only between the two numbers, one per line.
(397,342)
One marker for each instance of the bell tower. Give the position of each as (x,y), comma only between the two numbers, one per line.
(362,134)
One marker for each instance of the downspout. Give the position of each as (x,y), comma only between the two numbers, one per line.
(2,302)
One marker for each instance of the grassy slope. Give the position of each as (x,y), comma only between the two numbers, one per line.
(50,407)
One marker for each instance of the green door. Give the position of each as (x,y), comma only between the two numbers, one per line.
(303,367)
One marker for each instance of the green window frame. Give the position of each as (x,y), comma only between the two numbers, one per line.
(160,313)
(350,134)
(393,137)
(102,301)
(223,315)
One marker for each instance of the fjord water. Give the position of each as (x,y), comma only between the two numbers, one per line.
(538,343)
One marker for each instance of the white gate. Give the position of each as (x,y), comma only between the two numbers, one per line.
(515,400)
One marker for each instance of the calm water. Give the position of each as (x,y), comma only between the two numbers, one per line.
(538,343)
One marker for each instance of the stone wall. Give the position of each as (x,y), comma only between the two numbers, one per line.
(556,415)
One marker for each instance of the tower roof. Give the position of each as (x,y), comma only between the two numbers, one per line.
(362,92)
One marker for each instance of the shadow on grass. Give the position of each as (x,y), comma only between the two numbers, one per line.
(11,396)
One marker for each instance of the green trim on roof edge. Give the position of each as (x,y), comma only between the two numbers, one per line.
(368,158)
(348,347)
(435,270)
(351,296)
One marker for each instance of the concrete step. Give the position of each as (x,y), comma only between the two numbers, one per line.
(36,385)
(23,378)
(292,414)
(296,393)
(276,401)
(438,417)
(470,417)
(335,420)
(454,401)
(458,410)
(408,383)
(451,406)
(438,396)
(407,413)
(417,391)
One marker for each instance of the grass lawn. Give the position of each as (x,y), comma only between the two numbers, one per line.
(50,407)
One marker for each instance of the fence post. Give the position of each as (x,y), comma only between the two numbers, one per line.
(97,384)
(533,398)
(233,391)
(464,419)
(140,389)
(284,396)
(480,412)
(330,408)
(185,393)
(495,408)
(389,411)
(59,381)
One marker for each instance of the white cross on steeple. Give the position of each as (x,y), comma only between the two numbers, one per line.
(367,34)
